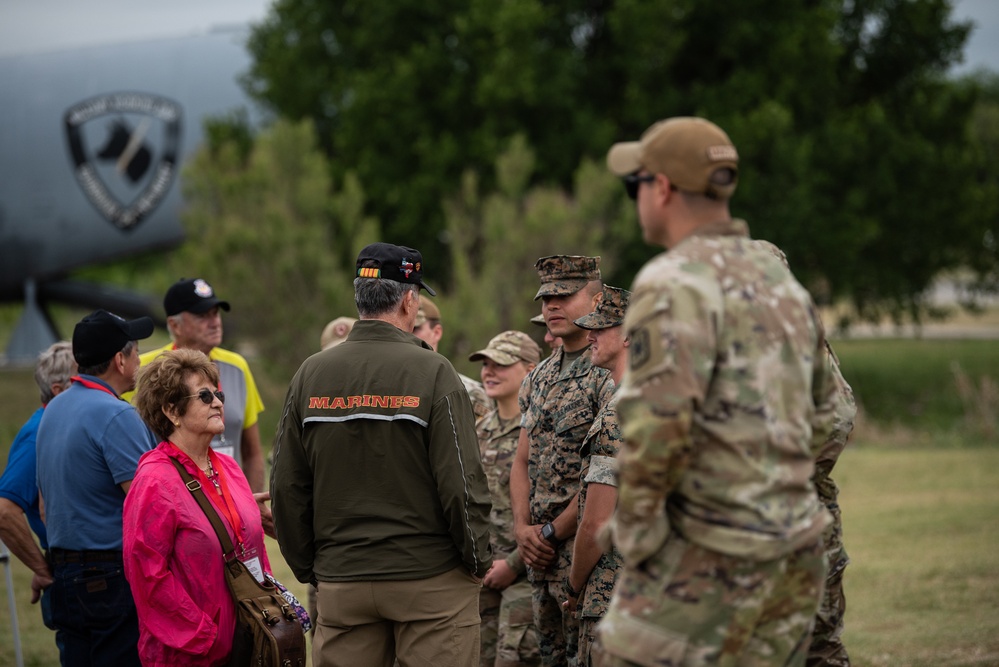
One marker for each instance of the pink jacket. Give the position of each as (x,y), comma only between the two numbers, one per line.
(173,561)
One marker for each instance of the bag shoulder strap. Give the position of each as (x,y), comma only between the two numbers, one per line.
(194,486)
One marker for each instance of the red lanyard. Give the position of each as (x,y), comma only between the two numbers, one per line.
(225,504)
(90,384)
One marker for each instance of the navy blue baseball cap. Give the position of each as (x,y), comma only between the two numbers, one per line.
(101,335)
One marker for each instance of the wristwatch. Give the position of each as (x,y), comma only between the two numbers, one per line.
(572,592)
(548,533)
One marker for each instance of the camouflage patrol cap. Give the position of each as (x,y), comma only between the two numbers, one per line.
(428,311)
(686,150)
(539,320)
(562,275)
(608,309)
(508,348)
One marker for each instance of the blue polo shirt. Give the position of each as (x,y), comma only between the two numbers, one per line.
(17,484)
(89,442)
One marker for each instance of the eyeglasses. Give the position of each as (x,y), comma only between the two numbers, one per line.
(208,397)
(632,181)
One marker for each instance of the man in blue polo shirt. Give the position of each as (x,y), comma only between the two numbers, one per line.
(89,444)
(19,509)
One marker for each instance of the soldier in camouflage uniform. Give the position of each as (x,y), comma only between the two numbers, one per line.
(559,401)
(429,329)
(594,568)
(826,648)
(507,633)
(728,398)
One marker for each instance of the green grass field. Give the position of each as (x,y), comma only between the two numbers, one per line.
(920,496)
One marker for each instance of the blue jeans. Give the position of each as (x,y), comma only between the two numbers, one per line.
(94,615)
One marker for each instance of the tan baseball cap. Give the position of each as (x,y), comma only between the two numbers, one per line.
(562,275)
(508,348)
(428,311)
(686,150)
(539,320)
(608,309)
(336,332)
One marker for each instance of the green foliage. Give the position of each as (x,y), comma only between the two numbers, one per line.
(859,159)
(266,228)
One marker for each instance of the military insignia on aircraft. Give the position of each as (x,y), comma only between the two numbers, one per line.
(124,149)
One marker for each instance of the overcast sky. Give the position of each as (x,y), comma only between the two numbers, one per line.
(37,26)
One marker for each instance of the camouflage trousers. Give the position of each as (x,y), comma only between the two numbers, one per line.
(507,633)
(687,606)
(827,648)
(558,632)
(590,650)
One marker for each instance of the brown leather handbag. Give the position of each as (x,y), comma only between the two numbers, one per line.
(267,630)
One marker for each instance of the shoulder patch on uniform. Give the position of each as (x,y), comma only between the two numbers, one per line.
(639,348)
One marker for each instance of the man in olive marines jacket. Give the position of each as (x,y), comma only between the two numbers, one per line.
(377,489)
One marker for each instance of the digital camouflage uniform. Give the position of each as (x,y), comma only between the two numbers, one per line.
(598,457)
(559,405)
(599,466)
(507,632)
(728,398)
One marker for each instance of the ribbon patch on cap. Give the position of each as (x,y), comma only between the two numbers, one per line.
(369,273)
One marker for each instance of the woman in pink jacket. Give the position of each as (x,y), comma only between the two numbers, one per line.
(173,558)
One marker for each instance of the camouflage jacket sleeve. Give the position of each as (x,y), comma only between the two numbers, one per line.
(824,395)
(844,412)
(671,325)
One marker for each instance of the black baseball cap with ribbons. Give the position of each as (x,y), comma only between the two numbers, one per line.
(393,262)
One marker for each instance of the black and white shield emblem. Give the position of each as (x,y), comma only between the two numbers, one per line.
(124,149)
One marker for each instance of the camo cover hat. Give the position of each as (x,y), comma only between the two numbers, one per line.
(608,309)
(687,150)
(539,320)
(428,311)
(508,348)
(562,275)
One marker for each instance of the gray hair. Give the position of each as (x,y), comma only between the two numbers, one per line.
(55,366)
(101,368)
(377,296)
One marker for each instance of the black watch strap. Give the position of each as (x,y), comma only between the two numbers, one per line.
(573,593)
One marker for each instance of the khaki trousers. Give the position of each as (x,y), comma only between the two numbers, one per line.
(430,622)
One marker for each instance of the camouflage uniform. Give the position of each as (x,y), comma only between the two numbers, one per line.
(559,401)
(481,404)
(826,649)
(507,632)
(727,400)
(599,465)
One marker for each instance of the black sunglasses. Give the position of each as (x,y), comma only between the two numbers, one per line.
(632,181)
(207,396)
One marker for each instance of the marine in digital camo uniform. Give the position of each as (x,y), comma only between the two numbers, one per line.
(728,398)
(559,401)
(508,635)
(594,567)
(827,649)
